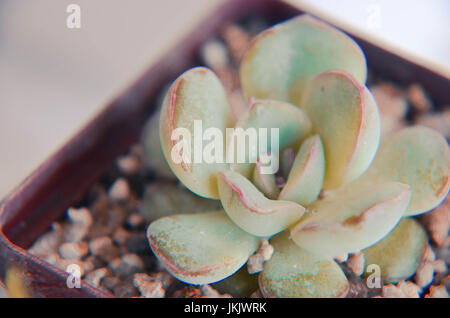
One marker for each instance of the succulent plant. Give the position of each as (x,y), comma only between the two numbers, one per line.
(343,190)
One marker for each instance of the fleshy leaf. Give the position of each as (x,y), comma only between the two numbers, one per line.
(345,115)
(164,199)
(196,95)
(295,272)
(251,210)
(265,182)
(241,284)
(400,254)
(154,157)
(349,222)
(282,59)
(292,123)
(420,157)
(200,248)
(306,177)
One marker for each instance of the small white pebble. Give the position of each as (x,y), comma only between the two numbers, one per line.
(63,264)
(88,266)
(424,275)
(47,243)
(438,222)
(119,190)
(214,54)
(121,236)
(110,282)
(148,287)
(209,291)
(134,260)
(392,291)
(357,263)
(115,264)
(418,98)
(165,278)
(137,150)
(103,247)
(438,292)
(80,216)
(410,289)
(126,265)
(440,266)
(255,263)
(71,250)
(266,250)
(135,220)
(94,278)
(97,245)
(80,224)
(128,165)
(52,259)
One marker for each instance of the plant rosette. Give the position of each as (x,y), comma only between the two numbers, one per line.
(340,187)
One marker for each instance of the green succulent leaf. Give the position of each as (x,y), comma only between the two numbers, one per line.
(200,248)
(153,155)
(295,272)
(420,157)
(164,199)
(345,115)
(266,183)
(306,177)
(196,95)
(400,254)
(282,59)
(349,222)
(251,210)
(292,123)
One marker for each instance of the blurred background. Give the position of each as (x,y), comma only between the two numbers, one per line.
(53,78)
